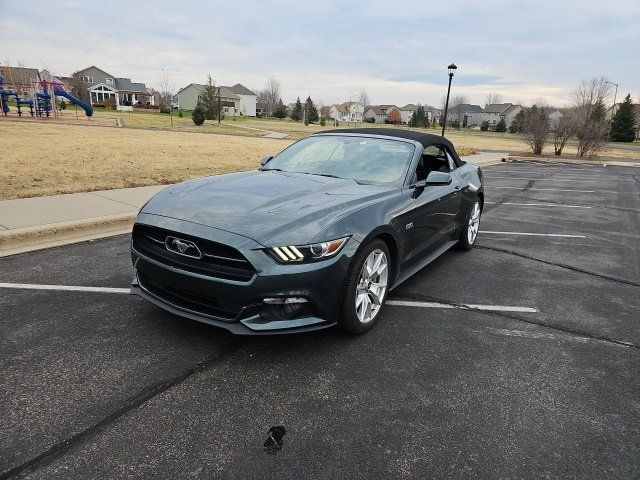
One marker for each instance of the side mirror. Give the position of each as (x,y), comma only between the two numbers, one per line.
(438,178)
(265,160)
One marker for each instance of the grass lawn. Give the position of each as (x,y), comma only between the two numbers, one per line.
(45,158)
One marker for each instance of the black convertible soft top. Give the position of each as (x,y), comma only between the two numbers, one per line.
(425,139)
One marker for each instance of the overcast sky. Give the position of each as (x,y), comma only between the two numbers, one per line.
(396,50)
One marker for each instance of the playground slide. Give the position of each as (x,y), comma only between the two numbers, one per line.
(60,92)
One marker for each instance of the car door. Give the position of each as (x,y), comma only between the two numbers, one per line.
(434,208)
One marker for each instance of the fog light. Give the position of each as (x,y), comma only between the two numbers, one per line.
(284,300)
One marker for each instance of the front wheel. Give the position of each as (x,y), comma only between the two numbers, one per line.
(469,234)
(367,287)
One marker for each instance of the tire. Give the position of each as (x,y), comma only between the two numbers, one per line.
(361,288)
(469,233)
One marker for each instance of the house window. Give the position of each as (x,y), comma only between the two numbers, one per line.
(109,81)
(87,79)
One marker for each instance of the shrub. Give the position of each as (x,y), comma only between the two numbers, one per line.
(501,126)
(180,114)
(484,126)
(323,122)
(165,109)
(62,105)
(370,120)
(198,115)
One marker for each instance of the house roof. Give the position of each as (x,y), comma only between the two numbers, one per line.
(466,108)
(241,89)
(19,75)
(510,109)
(126,85)
(387,107)
(425,139)
(409,107)
(341,107)
(93,66)
(377,110)
(225,92)
(496,107)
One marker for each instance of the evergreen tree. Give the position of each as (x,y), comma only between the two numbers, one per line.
(501,126)
(296,113)
(281,110)
(518,122)
(198,114)
(209,99)
(598,112)
(624,121)
(484,126)
(311,112)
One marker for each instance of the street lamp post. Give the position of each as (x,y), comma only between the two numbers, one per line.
(615,95)
(452,68)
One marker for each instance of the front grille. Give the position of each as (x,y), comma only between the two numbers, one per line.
(218,260)
(189,300)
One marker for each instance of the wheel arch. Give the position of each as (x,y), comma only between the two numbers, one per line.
(389,237)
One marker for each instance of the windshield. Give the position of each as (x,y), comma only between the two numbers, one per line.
(363,159)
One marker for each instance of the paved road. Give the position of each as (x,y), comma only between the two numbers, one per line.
(104,385)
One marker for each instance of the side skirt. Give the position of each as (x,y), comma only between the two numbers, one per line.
(420,265)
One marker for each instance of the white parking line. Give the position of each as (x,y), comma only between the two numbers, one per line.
(543,179)
(466,306)
(541,205)
(548,189)
(534,234)
(70,288)
(400,303)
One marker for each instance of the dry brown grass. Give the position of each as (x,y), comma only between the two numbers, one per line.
(45,159)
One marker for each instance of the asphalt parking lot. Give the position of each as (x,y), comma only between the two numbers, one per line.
(518,359)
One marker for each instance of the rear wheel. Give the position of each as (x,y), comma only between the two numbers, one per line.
(367,287)
(469,234)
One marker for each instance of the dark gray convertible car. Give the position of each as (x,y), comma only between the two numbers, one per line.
(317,236)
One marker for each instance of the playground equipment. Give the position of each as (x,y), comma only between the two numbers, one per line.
(42,101)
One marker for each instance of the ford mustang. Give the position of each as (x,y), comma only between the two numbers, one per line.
(317,236)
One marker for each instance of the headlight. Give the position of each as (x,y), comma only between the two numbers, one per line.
(307,253)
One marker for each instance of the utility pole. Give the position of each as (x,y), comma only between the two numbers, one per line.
(219,106)
(615,95)
(452,69)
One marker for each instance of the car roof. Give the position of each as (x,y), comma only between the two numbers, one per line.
(425,139)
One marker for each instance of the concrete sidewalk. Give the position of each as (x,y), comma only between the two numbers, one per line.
(40,222)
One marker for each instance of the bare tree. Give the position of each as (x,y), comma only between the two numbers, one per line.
(492,98)
(536,128)
(458,113)
(589,92)
(591,131)
(364,98)
(565,128)
(269,96)
(167,90)
(79,87)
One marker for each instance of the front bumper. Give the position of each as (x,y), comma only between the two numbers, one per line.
(238,306)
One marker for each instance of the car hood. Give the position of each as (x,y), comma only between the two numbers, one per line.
(270,207)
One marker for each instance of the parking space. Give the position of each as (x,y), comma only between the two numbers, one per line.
(536,377)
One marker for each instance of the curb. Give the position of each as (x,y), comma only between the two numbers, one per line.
(26,239)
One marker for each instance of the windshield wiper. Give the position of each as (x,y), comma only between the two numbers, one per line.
(272,169)
(321,175)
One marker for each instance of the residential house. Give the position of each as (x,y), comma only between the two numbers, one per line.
(433,114)
(347,112)
(100,86)
(235,100)
(494,112)
(554,117)
(247,99)
(377,113)
(407,112)
(392,112)
(325,112)
(19,78)
(465,114)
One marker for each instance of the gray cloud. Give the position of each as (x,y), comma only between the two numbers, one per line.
(397,50)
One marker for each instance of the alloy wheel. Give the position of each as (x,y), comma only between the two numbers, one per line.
(474,223)
(372,286)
